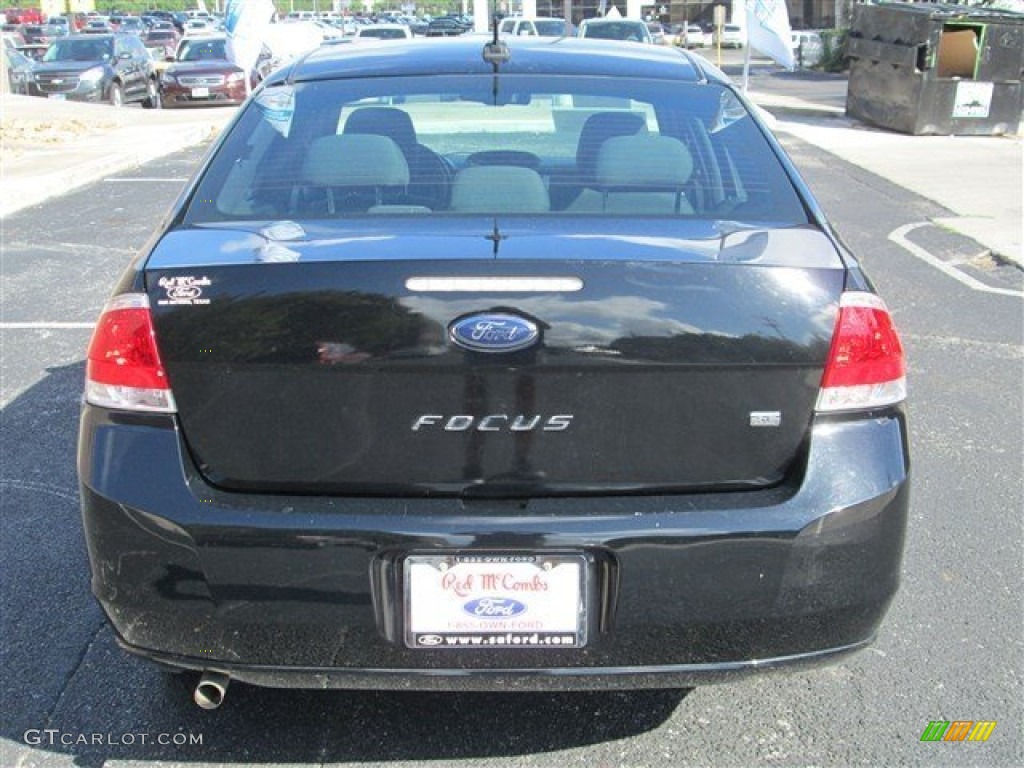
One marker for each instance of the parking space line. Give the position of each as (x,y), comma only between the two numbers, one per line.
(99,250)
(168,179)
(899,236)
(46,326)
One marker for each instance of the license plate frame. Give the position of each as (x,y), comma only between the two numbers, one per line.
(496,601)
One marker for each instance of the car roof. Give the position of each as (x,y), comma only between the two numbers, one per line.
(463,55)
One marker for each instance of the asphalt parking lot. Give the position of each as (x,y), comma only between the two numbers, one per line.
(950,649)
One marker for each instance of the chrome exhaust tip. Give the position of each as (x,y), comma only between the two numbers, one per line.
(211,690)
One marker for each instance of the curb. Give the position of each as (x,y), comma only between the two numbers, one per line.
(780,110)
(137,146)
(795,107)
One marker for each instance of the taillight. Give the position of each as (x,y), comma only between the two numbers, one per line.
(124,369)
(865,366)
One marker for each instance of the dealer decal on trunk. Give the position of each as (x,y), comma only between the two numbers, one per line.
(183,290)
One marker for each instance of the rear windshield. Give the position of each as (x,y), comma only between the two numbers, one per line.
(514,145)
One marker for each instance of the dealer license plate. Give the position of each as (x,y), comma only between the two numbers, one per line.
(495,601)
(200,93)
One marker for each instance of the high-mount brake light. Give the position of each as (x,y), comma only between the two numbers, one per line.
(124,369)
(865,367)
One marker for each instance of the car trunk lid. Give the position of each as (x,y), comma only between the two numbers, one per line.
(327,363)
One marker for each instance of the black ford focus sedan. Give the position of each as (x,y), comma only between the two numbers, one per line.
(466,365)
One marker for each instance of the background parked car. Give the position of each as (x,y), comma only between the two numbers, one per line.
(384,32)
(41,34)
(164,39)
(132,25)
(631,30)
(19,70)
(114,68)
(732,36)
(194,27)
(691,36)
(539,27)
(657,31)
(416,25)
(23,16)
(447,26)
(97,26)
(34,51)
(201,75)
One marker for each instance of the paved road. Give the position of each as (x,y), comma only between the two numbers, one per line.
(950,649)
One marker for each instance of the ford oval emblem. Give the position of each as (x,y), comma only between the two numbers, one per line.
(494,608)
(494,332)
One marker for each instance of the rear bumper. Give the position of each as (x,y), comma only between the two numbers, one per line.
(216,96)
(302,591)
(443,678)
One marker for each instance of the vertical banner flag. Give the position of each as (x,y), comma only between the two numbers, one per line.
(768,30)
(245,22)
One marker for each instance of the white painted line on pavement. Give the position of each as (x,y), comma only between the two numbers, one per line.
(169,179)
(899,236)
(45,326)
(99,250)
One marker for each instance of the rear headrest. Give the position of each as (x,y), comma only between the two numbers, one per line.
(499,189)
(644,160)
(383,121)
(598,128)
(355,161)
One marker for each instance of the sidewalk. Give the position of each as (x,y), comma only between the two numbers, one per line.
(49,148)
(979,179)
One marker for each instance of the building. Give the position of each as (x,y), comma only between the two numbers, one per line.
(803,14)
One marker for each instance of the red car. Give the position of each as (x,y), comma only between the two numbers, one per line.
(202,75)
(23,16)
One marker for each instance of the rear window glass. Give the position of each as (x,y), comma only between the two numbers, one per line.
(513,145)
